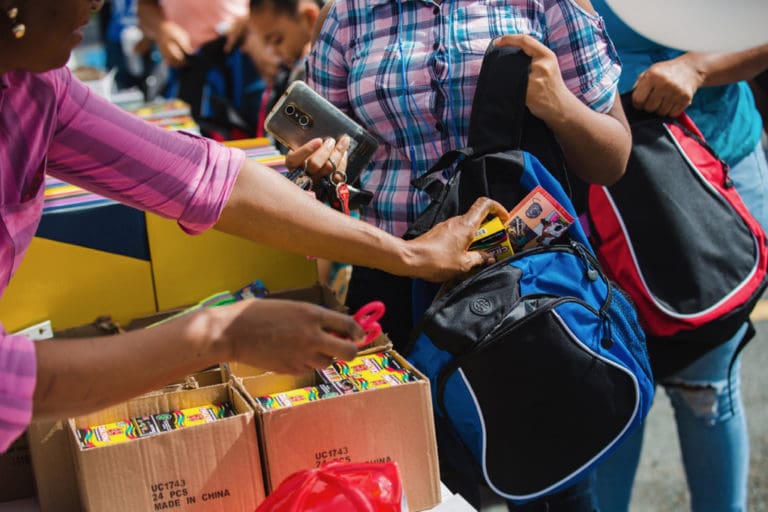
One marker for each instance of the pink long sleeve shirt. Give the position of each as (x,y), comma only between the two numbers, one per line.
(50,122)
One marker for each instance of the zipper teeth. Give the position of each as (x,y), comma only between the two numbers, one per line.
(528,252)
(506,261)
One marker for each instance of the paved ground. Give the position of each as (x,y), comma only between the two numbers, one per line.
(660,485)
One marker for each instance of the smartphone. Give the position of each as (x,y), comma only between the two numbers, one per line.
(301,115)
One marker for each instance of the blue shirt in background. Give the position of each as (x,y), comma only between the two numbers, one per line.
(726,115)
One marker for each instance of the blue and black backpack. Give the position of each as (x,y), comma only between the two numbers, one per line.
(224,91)
(537,363)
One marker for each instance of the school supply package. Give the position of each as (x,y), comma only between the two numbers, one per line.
(537,363)
(366,372)
(675,234)
(143,426)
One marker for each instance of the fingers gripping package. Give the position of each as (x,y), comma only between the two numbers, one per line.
(537,220)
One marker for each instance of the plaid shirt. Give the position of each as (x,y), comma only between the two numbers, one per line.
(364,46)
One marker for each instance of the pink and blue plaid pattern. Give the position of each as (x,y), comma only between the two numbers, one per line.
(358,60)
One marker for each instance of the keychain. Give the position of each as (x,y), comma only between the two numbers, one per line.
(339,181)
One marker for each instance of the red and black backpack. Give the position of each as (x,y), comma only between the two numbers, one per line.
(676,236)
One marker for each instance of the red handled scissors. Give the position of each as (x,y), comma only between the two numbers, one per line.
(368,317)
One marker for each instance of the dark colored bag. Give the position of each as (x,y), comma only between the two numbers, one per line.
(536,362)
(499,122)
(224,91)
(675,234)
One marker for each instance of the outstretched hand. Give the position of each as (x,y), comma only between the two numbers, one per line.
(441,253)
(288,336)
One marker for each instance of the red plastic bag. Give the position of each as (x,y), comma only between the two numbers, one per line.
(339,487)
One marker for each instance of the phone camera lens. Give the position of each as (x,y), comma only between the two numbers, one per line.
(303,120)
(289,110)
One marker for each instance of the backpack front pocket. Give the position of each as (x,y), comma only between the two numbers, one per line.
(538,405)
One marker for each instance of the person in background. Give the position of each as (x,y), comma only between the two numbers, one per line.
(286,28)
(180,28)
(705,395)
(759,86)
(221,75)
(407,72)
(52,123)
(114,19)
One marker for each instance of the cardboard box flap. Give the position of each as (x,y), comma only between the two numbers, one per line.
(316,294)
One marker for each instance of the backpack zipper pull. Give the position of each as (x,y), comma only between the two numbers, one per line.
(592,273)
(607,340)
(727,181)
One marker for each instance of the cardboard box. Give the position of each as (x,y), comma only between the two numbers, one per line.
(16,472)
(54,473)
(49,445)
(51,453)
(379,425)
(209,467)
(49,440)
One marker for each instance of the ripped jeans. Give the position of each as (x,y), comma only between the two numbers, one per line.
(712,430)
(711,424)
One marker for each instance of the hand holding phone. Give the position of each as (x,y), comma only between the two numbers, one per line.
(301,115)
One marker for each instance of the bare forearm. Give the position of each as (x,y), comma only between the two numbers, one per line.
(267,208)
(82,375)
(596,146)
(151,17)
(725,68)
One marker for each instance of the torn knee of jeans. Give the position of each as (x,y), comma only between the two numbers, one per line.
(702,398)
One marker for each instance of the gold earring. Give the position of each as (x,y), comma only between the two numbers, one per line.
(18,29)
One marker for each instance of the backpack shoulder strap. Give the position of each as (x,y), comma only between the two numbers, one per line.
(498,107)
(430,181)
(500,118)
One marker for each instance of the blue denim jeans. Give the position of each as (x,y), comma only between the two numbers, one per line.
(750,176)
(710,418)
(712,430)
